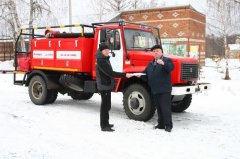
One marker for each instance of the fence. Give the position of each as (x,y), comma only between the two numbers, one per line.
(6,49)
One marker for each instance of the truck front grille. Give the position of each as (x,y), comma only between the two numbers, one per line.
(189,71)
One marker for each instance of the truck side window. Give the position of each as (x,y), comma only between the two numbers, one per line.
(117,41)
(113,39)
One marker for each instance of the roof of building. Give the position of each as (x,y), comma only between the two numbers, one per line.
(166,8)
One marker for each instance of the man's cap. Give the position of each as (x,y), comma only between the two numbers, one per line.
(103,47)
(156,47)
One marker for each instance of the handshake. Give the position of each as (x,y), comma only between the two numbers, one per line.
(129,75)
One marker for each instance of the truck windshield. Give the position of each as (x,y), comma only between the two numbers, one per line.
(139,39)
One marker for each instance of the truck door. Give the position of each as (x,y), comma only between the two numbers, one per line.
(113,40)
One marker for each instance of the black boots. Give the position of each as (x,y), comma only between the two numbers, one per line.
(110,125)
(159,127)
(167,128)
(108,128)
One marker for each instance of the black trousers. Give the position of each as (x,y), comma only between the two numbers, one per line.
(162,103)
(105,108)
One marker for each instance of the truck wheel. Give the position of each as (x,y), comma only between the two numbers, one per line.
(81,96)
(52,96)
(137,103)
(37,90)
(182,105)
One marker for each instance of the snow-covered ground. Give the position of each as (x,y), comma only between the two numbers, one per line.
(6,65)
(209,129)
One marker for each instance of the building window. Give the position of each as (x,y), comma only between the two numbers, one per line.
(173,49)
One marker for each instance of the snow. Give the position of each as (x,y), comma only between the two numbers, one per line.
(70,129)
(6,65)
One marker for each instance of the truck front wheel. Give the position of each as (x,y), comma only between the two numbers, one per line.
(180,106)
(137,103)
(37,90)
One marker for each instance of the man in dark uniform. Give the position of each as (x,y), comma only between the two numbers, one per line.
(105,84)
(159,79)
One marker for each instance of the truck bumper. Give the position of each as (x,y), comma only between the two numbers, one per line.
(199,87)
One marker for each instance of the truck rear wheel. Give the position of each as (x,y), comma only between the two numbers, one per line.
(81,96)
(52,96)
(137,103)
(37,90)
(182,105)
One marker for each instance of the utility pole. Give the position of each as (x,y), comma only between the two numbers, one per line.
(70,14)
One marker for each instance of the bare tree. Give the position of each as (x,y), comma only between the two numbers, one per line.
(224,17)
(137,4)
(117,5)
(153,4)
(100,8)
(36,8)
(12,11)
(104,8)
(13,19)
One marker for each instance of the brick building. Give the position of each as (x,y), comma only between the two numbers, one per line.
(182,28)
(234,51)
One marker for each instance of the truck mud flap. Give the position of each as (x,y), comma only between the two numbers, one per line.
(71,82)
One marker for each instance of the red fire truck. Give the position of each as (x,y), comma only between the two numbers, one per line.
(60,62)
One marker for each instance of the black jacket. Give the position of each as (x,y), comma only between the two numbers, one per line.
(159,76)
(105,74)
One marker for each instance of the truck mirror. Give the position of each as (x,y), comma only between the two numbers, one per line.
(112,46)
(113,54)
(103,35)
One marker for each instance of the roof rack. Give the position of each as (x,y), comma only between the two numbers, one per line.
(58,26)
(33,35)
(121,22)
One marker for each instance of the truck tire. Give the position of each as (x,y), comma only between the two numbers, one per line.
(182,105)
(37,90)
(137,103)
(52,96)
(81,96)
